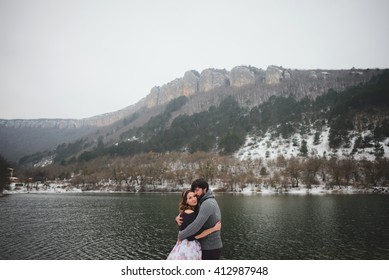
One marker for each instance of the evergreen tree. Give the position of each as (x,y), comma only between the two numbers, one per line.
(303,148)
(316,140)
(263,171)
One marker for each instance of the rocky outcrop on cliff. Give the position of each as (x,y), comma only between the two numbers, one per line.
(190,83)
(152,99)
(213,78)
(273,75)
(259,84)
(241,76)
(169,91)
(193,82)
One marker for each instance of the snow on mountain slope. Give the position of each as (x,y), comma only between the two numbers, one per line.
(270,147)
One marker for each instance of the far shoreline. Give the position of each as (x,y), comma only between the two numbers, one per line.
(321,190)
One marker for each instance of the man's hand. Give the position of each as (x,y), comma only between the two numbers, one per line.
(179,220)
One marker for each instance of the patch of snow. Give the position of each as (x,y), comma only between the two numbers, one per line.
(269,148)
(44,162)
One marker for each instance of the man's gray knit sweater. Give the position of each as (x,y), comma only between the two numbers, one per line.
(208,216)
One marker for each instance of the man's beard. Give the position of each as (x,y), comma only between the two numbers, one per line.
(200,196)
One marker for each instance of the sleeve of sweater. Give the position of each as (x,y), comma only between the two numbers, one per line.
(193,228)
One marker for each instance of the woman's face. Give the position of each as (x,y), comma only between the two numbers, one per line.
(191,199)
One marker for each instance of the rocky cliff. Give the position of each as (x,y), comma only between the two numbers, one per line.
(250,85)
(193,83)
(241,76)
(274,80)
(96,121)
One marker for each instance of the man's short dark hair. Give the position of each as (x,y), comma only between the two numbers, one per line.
(199,183)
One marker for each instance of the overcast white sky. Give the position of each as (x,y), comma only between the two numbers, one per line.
(78,58)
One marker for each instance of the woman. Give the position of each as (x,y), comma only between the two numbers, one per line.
(189,249)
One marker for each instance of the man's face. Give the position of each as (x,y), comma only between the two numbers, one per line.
(199,192)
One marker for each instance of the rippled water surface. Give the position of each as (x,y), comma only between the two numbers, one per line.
(141,226)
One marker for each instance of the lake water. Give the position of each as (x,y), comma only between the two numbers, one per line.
(141,226)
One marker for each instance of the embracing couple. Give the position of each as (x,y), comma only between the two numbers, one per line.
(199,223)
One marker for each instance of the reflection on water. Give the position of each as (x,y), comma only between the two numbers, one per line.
(141,226)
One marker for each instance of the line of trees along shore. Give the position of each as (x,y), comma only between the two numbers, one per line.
(173,170)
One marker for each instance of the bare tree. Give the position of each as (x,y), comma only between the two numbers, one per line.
(293,171)
(311,168)
(334,171)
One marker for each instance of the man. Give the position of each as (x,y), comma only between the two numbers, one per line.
(209,214)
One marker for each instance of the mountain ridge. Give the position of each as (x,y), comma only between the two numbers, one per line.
(209,79)
(249,85)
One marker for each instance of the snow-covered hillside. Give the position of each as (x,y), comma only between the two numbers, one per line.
(270,147)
